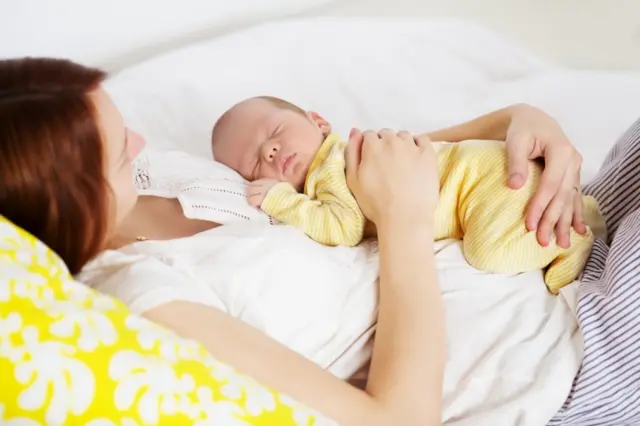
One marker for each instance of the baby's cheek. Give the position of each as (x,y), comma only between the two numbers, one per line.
(298,177)
(267,173)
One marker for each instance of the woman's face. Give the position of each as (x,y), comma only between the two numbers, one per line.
(121,146)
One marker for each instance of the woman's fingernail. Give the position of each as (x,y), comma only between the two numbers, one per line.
(353,131)
(515,179)
(531,224)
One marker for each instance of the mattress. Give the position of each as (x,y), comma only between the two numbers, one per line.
(513,349)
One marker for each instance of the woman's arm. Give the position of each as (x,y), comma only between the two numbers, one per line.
(407,366)
(492,126)
(405,382)
(406,373)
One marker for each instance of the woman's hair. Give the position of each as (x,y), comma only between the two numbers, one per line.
(52,181)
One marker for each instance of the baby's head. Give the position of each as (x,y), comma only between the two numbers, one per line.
(266,137)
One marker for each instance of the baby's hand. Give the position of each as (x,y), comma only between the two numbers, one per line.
(257,190)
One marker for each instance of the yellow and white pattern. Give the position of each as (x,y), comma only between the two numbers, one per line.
(71,356)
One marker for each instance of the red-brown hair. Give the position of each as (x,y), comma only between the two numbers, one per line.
(52,182)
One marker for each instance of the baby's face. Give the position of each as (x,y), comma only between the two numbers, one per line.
(261,140)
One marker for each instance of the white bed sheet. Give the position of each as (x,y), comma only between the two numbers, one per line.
(513,349)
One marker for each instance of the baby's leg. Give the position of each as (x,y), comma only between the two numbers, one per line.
(496,238)
(499,242)
(569,263)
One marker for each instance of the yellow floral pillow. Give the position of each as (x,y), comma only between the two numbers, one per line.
(71,356)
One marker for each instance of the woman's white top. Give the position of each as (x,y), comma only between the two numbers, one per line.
(319,301)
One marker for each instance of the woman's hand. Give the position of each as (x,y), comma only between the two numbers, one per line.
(557,205)
(531,134)
(393,176)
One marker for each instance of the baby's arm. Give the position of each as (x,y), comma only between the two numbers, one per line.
(332,218)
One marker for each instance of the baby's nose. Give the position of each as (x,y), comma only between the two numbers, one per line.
(272,152)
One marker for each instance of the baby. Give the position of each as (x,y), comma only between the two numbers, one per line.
(296,167)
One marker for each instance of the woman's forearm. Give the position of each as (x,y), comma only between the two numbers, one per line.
(492,126)
(408,359)
(405,381)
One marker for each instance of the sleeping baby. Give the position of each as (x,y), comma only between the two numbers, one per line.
(296,167)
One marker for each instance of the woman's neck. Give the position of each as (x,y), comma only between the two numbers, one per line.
(157,218)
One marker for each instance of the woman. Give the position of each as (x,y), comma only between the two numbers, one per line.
(66,178)
(54,114)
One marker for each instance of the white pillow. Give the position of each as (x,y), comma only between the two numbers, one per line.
(111,34)
(206,189)
(403,73)
(414,74)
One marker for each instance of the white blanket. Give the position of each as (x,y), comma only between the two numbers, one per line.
(513,349)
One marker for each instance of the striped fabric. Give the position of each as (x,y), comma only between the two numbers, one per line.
(606,390)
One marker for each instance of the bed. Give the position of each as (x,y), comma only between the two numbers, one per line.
(513,349)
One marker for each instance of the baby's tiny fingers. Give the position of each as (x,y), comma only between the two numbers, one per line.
(254,200)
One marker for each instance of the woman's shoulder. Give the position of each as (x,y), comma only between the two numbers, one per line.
(145,280)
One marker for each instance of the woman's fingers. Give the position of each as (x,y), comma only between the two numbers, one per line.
(422,140)
(555,206)
(561,204)
(549,219)
(563,227)
(578,214)
(519,148)
(370,142)
(387,134)
(406,136)
(354,152)
(554,176)
(578,210)
(392,176)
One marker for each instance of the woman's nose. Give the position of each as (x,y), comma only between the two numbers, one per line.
(136,143)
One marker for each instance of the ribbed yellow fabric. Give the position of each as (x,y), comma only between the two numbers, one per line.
(475,205)
(327,211)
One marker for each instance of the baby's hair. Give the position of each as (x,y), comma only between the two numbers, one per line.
(282,104)
(277,102)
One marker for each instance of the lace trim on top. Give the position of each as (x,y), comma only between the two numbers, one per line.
(206,190)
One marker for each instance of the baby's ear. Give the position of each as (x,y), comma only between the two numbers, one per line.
(322,124)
